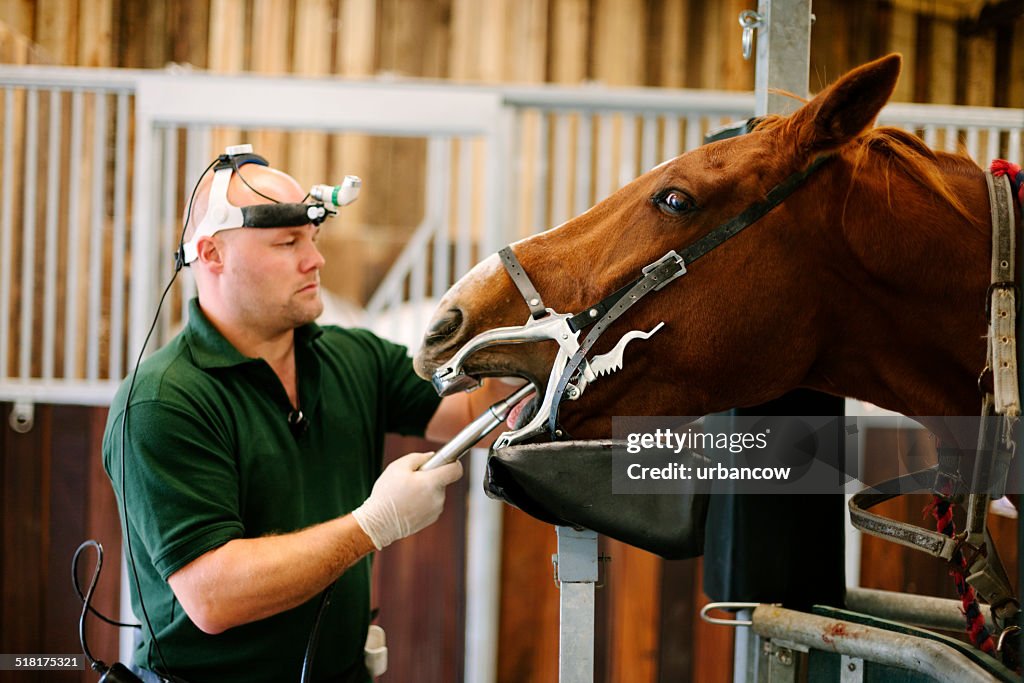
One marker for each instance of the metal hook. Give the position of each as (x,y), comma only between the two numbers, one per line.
(749,22)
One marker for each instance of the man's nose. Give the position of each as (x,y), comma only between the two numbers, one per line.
(312,259)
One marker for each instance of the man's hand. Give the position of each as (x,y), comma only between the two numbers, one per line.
(405,500)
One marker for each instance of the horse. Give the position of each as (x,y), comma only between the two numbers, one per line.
(868,282)
(815,251)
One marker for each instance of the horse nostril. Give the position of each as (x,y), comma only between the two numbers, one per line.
(443,327)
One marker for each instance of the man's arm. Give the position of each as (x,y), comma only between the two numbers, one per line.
(247,579)
(253,578)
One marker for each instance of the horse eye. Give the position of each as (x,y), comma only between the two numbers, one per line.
(674,202)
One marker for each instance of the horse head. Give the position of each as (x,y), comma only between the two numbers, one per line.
(868,280)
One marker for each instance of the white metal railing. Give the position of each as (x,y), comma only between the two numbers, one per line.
(90,214)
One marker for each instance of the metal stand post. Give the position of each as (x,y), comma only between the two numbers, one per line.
(576,573)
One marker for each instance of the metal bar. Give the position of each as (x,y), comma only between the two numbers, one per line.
(96,230)
(167,236)
(921,610)
(63,391)
(115,366)
(670,141)
(694,134)
(973,148)
(576,567)
(783,55)
(440,278)
(71,336)
(50,279)
(992,148)
(627,146)
(584,162)
(648,143)
(605,149)
(540,175)
(867,642)
(1014,150)
(931,134)
(464,208)
(198,155)
(6,231)
(28,232)
(559,191)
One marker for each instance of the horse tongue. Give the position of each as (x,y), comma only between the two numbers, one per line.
(519,415)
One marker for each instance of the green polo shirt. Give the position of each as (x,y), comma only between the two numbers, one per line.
(210,457)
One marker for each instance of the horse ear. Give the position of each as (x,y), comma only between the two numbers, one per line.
(849,106)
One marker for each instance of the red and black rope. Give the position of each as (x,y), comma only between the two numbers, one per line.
(942,510)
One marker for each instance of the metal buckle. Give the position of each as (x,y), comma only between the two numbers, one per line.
(670,256)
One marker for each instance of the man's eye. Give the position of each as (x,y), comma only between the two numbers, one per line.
(288,243)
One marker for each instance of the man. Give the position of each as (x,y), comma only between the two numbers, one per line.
(253,441)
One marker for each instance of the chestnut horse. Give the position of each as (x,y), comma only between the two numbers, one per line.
(869,281)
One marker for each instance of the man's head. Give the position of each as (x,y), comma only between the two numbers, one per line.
(267,279)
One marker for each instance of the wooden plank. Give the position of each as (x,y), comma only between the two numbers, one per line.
(420,589)
(103,524)
(22,572)
(143,40)
(188,25)
(19,16)
(67,527)
(569,39)
(712,644)
(672,55)
(226,54)
(980,71)
(527,32)
(311,56)
(618,33)
(58,37)
(735,73)
(270,30)
(356,55)
(675,649)
(942,86)
(528,630)
(95,34)
(465,40)
(903,39)
(634,577)
(1016,92)
(923,48)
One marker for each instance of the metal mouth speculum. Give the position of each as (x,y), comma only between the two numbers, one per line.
(451,378)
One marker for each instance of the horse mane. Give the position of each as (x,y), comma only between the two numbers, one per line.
(870,155)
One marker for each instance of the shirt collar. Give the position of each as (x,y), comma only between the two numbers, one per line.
(211,350)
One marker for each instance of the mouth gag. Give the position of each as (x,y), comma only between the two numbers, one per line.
(571,373)
(221,214)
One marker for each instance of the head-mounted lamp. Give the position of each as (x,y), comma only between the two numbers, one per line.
(221,214)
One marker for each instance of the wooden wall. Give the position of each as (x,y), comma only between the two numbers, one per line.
(54,494)
(668,43)
(648,629)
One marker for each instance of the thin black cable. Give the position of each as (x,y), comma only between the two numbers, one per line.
(179,260)
(78,589)
(124,492)
(234,164)
(314,635)
(93,663)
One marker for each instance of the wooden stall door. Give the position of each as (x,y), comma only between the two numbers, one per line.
(54,495)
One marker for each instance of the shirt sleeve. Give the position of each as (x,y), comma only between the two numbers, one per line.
(181,483)
(408,400)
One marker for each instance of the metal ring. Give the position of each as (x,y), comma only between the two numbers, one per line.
(727,606)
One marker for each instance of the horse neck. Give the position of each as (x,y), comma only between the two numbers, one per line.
(910,333)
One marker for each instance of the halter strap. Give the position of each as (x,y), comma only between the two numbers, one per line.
(523,283)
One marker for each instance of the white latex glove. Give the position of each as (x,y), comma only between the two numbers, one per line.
(405,500)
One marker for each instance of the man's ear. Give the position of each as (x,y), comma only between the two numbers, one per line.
(211,253)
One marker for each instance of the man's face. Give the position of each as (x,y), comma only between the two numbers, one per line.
(272,275)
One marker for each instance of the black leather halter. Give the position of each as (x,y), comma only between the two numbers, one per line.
(654,276)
